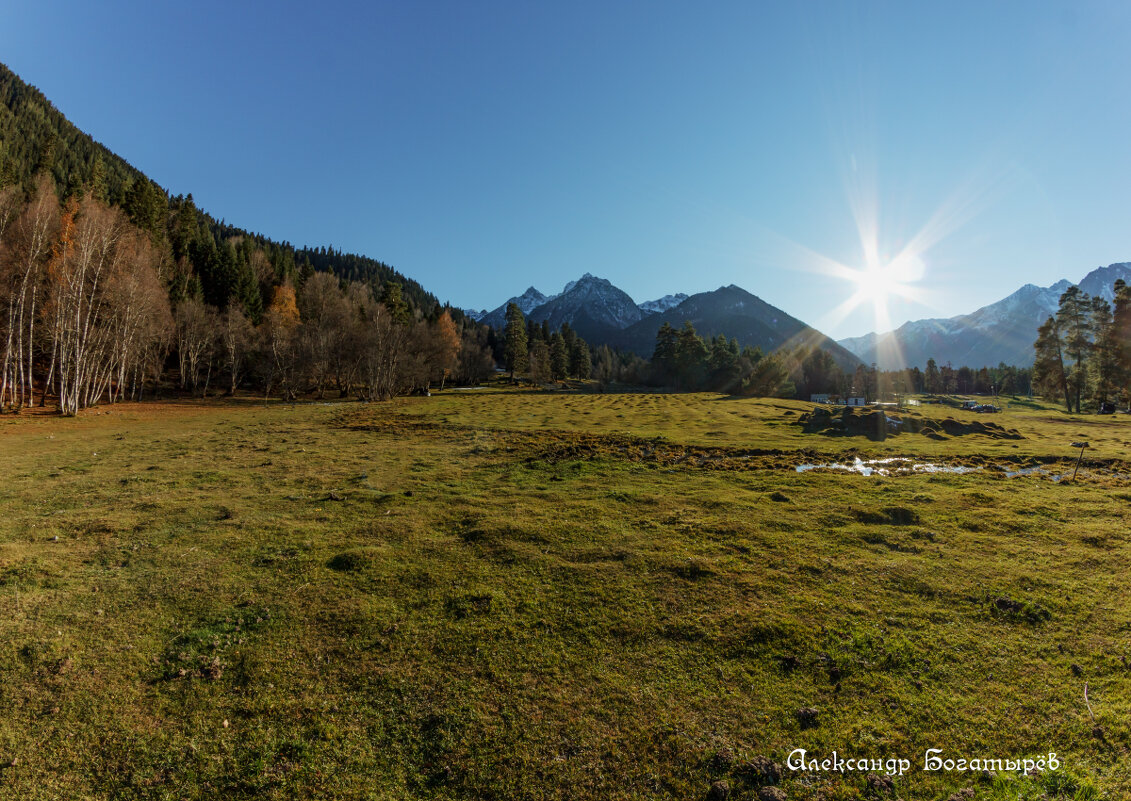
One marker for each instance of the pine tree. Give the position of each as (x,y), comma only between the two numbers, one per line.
(1073,322)
(604,366)
(569,335)
(247,291)
(769,379)
(515,342)
(1121,338)
(98,179)
(1049,375)
(146,206)
(540,361)
(580,360)
(663,355)
(931,379)
(1103,371)
(723,365)
(395,303)
(559,356)
(691,356)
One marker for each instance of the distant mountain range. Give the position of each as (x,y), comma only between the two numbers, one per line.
(591,305)
(1001,332)
(603,314)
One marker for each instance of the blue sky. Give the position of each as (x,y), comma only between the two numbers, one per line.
(484,147)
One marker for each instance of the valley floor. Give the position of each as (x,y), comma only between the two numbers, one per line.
(513,594)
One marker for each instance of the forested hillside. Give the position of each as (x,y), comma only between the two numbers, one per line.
(214,259)
(111,289)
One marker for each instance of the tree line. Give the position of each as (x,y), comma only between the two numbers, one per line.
(545,355)
(684,360)
(95,307)
(1083,352)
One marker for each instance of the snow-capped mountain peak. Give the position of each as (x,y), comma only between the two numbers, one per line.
(572,284)
(528,300)
(662,304)
(595,299)
(999,332)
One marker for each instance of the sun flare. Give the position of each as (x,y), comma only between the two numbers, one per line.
(877,281)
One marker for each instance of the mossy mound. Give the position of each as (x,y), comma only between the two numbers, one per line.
(878,425)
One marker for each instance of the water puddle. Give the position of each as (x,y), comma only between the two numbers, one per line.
(887,467)
(1039,471)
(897,465)
(1025,471)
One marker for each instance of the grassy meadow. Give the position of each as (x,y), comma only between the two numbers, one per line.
(508,594)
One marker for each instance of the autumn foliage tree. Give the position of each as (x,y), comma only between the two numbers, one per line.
(104,309)
(94,298)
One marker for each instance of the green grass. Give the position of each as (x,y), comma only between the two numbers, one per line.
(525,595)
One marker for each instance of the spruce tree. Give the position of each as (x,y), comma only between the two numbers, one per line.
(691,356)
(569,335)
(98,179)
(663,355)
(540,361)
(559,356)
(580,360)
(1103,371)
(398,308)
(723,365)
(931,380)
(514,341)
(247,291)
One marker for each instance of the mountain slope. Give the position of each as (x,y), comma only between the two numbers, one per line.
(1000,332)
(592,306)
(738,314)
(604,315)
(1101,281)
(527,302)
(35,135)
(662,304)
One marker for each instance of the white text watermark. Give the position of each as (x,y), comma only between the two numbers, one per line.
(933,761)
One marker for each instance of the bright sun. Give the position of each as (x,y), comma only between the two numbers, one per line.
(872,283)
(878,280)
